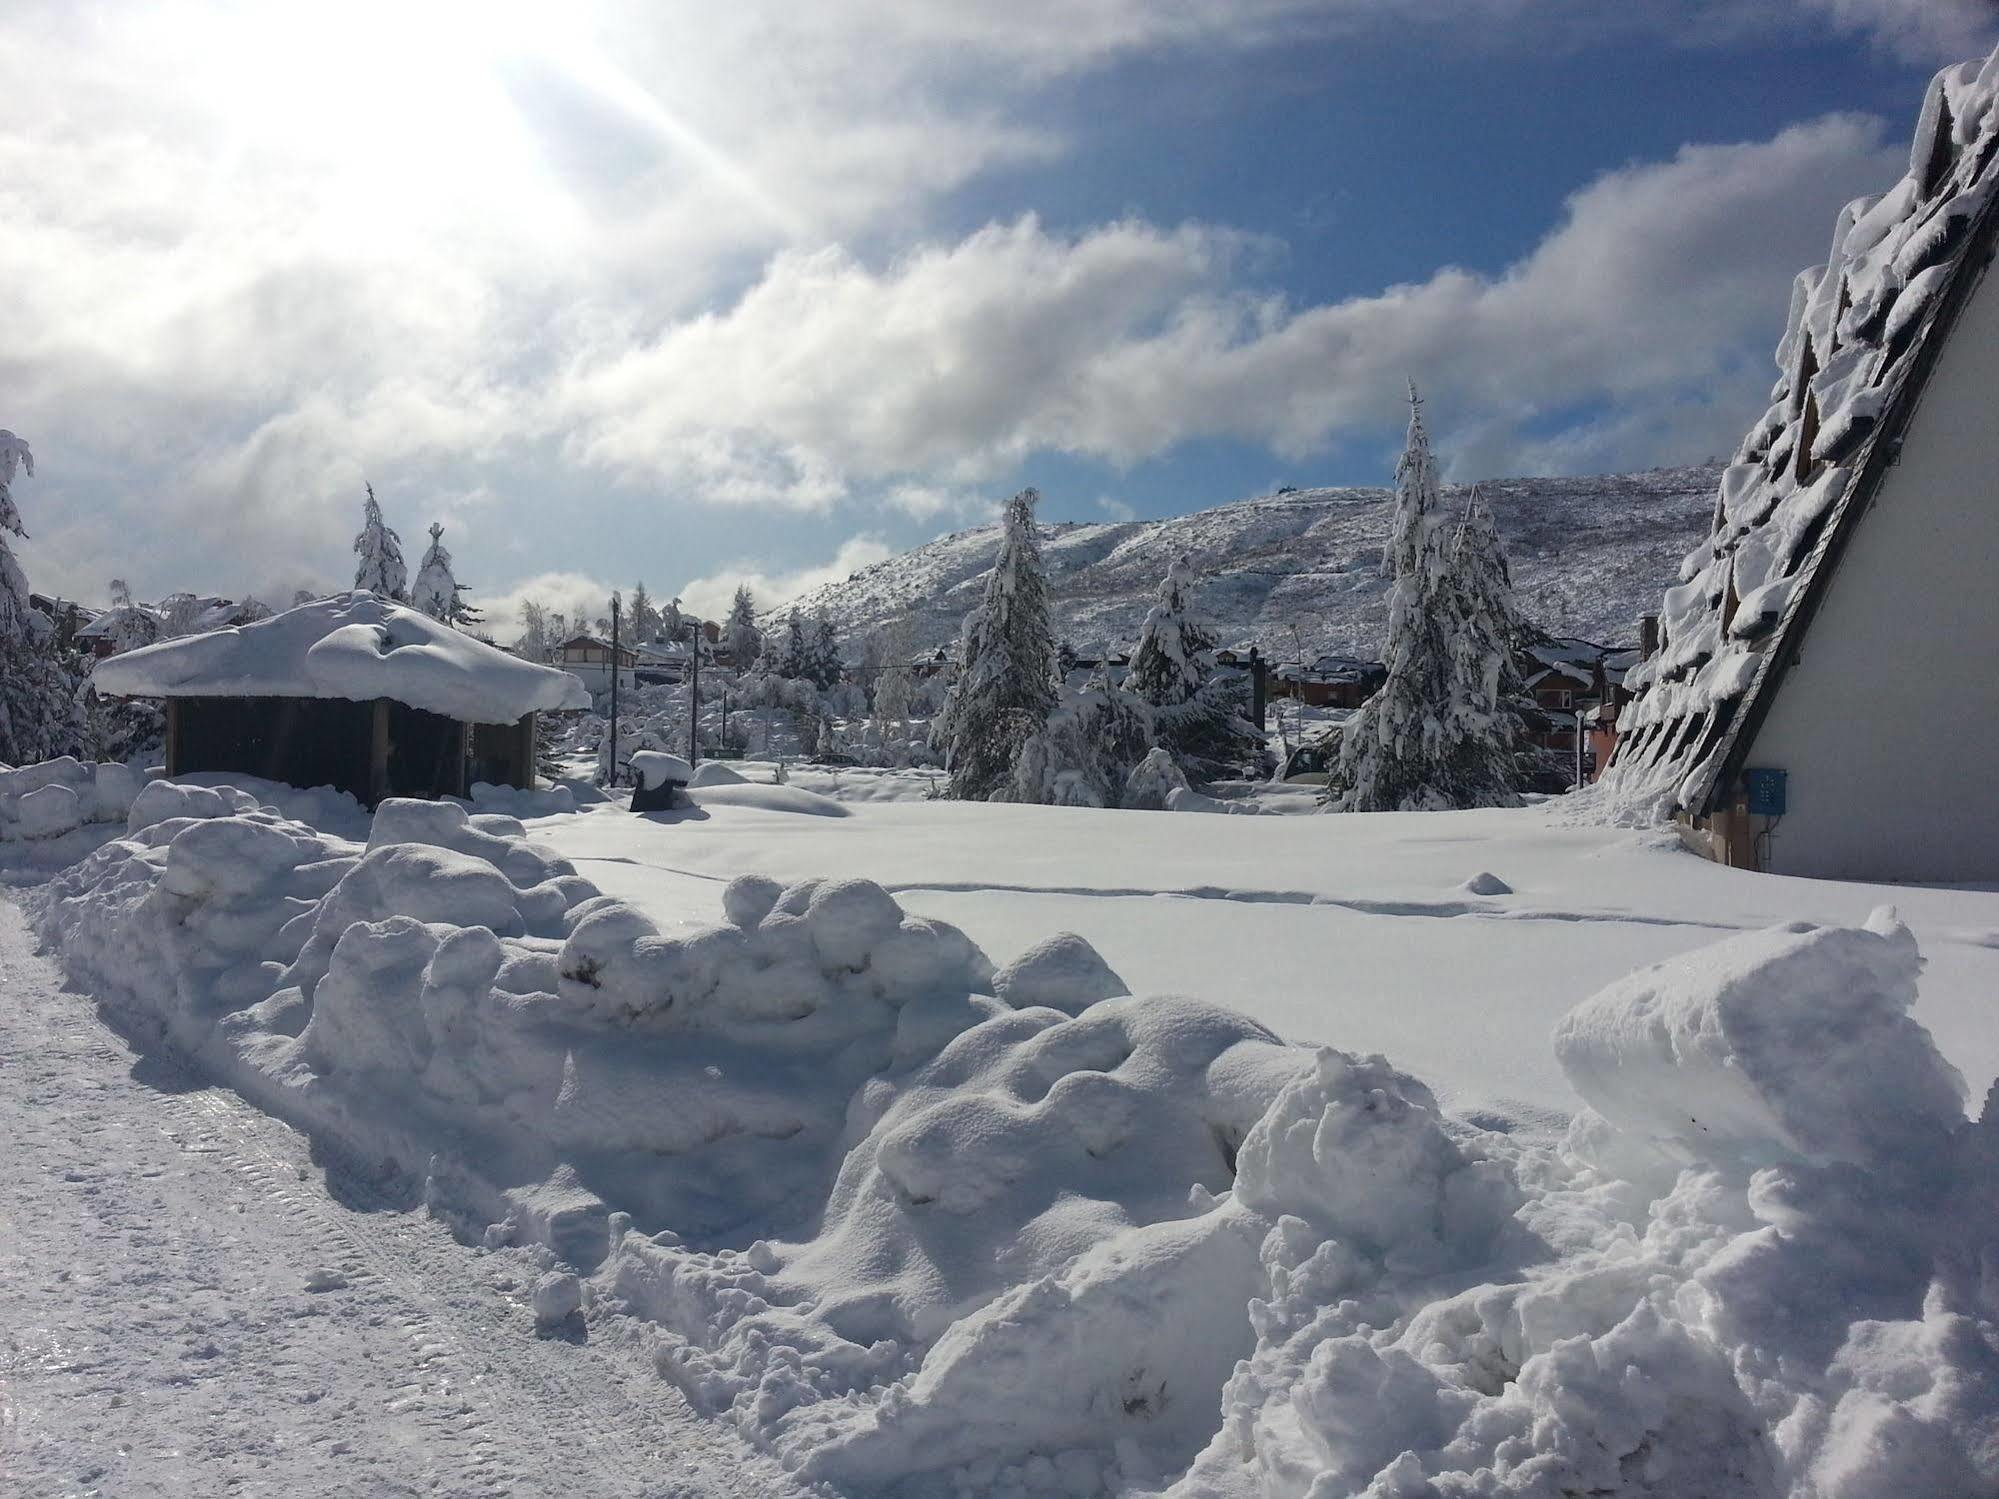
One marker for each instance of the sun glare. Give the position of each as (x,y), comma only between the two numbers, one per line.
(405,114)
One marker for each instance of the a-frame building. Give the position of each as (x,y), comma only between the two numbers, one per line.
(1825,698)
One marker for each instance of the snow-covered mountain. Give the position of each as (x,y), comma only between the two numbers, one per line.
(1299,571)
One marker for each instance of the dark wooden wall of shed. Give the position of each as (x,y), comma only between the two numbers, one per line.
(371,750)
(303,741)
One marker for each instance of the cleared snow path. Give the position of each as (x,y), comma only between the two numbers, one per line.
(184,1308)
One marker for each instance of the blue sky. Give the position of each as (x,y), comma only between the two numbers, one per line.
(696,296)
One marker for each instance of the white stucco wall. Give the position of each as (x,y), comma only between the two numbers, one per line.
(1889,723)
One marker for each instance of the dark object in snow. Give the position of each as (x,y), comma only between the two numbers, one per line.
(659,781)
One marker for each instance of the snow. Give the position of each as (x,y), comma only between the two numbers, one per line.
(654,768)
(355,646)
(995,1165)
(196,1302)
(1589,555)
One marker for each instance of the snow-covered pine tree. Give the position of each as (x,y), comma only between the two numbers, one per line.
(17,615)
(1493,634)
(1436,735)
(40,714)
(1196,712)
(1085,755)
(380,569)
(794,652)
(435,591)
(744,640)
(823,659)
(1005,688)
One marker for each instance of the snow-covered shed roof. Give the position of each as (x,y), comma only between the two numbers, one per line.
(353,645)
(1864,335)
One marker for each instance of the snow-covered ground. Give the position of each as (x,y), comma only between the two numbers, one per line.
(192,1302)
(1356,932)
(800,1097)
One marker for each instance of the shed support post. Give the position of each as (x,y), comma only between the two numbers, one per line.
(378,753)
(525,776)
(173,736)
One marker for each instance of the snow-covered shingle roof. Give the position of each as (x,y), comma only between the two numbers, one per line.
(352,645)
(1864,333)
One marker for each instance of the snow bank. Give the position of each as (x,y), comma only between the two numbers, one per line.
(353,645)
(793,799)
(1760,1265)
(716,773)
(922,1226)
(55,812)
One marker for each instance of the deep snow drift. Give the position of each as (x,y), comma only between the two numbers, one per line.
(918,1223)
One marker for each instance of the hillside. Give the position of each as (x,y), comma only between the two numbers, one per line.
(1299,571)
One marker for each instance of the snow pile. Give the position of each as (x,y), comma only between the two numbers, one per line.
(54,812)
(919,1225)
(1766,1262)
(353,645)
(793,799)
(716,773)
(1025,1263)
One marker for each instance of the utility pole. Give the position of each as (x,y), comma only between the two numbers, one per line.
(615,606)
(694,701)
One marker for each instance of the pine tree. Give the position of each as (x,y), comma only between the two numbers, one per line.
(823,664)
(1416,486)
(41,715)
(1005,688)
(744,639)
(436,590)
(644,616)
(17,614)
(381,568)
(1197,713)
(794,655)
(1439,732)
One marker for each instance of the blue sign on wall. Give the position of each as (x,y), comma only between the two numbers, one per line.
(1766,792)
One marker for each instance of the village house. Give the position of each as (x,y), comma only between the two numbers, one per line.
(352,692)
(1795,718)
(589,659)
(1328,682)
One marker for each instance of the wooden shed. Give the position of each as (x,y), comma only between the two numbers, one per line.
(353,692)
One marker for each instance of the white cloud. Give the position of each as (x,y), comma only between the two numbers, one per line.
(256,257)
(579,597)
(1116,508)
(1926,30)
(710,596)
(1662,282)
